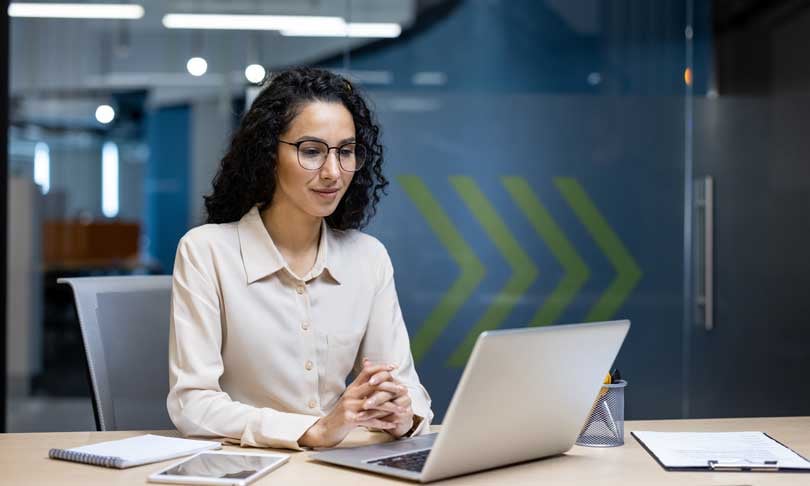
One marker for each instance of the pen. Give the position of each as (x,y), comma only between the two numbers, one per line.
(607,381)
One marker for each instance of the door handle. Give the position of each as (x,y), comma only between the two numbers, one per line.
(704,205)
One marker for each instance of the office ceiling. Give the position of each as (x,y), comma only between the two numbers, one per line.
(70,56)
(60,67)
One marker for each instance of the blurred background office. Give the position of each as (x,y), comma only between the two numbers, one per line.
(551,161)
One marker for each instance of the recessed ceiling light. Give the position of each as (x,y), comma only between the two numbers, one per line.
(197,66)
(353,29)
(105,114)
(255,73)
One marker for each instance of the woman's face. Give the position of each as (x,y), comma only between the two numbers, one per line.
(314,192)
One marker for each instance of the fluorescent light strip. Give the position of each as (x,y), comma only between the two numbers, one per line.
(109,179)
(75,10)
(251,22)
(354,29)
(42,166)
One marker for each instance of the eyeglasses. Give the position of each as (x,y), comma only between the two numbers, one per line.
(312,154)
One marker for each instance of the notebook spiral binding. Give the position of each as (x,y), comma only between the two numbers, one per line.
(83,457)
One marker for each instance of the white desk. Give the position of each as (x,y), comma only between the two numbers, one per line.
(24,460)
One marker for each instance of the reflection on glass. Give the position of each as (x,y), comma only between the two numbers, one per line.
(109,179)
(42,166)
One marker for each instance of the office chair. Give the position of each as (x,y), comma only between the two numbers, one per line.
(125,330)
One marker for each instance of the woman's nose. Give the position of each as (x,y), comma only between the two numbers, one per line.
(331,168)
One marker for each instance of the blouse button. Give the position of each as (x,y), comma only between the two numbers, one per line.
(300,289)
(308,365)
(305,325)
(311,404)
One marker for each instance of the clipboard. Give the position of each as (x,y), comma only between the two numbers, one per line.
(720,452)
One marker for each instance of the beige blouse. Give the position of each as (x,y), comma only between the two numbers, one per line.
(258,354)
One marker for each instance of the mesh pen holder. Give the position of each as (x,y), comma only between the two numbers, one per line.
(605,424)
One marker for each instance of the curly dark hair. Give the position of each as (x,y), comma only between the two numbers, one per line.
(246,175)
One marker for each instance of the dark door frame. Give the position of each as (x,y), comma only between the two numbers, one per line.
(4,53)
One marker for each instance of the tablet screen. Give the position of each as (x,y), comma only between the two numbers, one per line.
(224,466)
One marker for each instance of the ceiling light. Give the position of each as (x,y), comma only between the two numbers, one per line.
(250,22)
(105,114)
(75,10)
(354,29)
(374,29)
(255,73)
(197,66)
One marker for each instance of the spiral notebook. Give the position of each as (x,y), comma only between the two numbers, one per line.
(133,451)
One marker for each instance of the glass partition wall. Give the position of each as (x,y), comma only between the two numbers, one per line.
(550,162)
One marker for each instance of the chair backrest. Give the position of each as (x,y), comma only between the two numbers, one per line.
(125,330)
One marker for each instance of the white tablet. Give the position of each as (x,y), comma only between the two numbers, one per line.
(218,467)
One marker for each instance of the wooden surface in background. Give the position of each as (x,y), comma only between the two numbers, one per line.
(78,243)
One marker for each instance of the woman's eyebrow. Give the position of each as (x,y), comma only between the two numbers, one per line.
(305,138)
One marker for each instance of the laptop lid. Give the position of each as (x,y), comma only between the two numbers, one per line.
(524,394)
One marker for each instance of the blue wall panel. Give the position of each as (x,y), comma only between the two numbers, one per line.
(517,103)
(167,182)
(638,193)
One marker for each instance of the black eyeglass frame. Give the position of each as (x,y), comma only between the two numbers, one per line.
(297,146)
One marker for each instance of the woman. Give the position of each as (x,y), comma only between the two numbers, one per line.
(279,297)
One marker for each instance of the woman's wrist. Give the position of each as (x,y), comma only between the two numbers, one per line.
(313,437)
(323,433)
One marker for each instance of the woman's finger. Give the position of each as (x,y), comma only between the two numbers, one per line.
(380,377)
(377,398)
(360,386)
(368,388)
(378,424)
(393,388)
(403,400)
(372,414)
(391,367)
(402,422)
(370,370)
(386,406)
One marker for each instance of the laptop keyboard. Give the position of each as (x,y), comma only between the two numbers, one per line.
(412,461)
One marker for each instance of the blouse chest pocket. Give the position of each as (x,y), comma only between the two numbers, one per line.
(337,353)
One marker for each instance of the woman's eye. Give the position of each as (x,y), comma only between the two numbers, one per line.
(346,153)
(311,152)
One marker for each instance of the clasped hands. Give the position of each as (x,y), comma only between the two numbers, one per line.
(375,399)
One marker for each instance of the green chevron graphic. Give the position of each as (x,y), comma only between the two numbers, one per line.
(576,271)
(472,271)
(524,271)
(628,272)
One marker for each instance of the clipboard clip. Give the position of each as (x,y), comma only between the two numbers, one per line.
(766,466)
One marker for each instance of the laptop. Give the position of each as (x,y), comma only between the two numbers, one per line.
(524,394)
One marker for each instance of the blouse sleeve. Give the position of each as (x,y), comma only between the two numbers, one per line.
(386,341)
(196,403)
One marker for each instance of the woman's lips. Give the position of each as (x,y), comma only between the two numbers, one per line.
(328,194)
